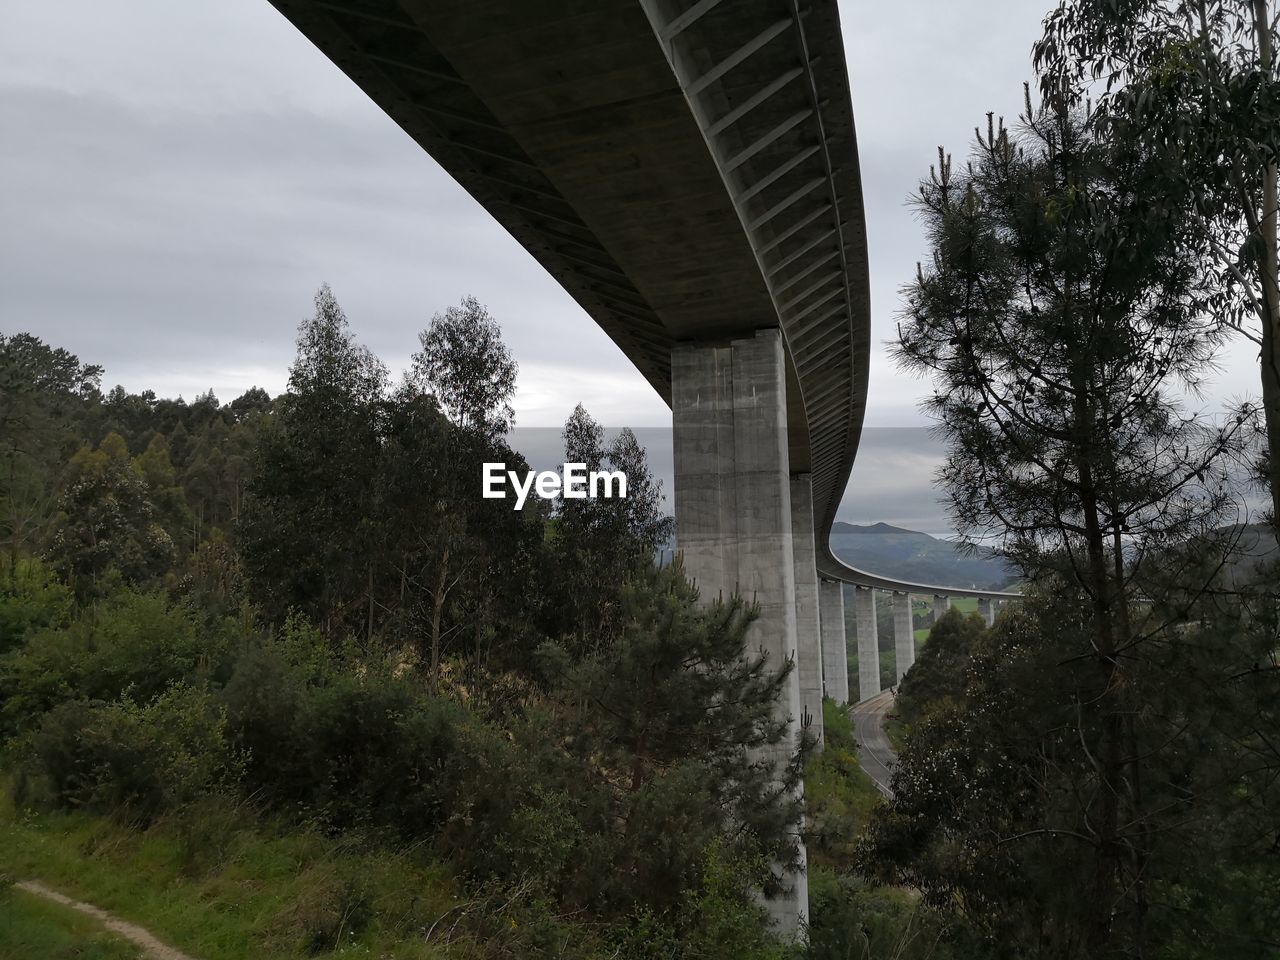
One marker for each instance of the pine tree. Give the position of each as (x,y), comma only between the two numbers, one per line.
(679,719)
(1061,319)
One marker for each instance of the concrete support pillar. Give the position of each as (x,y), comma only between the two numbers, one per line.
(904,634)
(987,610)
(941,605)
(864,602)
(835,652)
(733,517)
(808,628)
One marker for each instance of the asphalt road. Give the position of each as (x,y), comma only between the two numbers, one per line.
(874,751)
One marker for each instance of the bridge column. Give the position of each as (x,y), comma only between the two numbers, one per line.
(941,604)
(987,610)
(864,603)
(904,634)
(808,629)
(733,517)
(835,652)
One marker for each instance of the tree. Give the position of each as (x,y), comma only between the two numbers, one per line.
(107,523)
(1195,81)
(601,542)
(461,564)
(163,490)
(307,537)
(1060,317)
(940,667)
(468,368)
(678,719)
(43,390)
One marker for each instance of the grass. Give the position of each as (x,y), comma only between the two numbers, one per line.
(895,729)
(840,795)
(33,928)
(222,885)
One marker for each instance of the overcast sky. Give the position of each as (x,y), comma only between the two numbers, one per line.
(177,178)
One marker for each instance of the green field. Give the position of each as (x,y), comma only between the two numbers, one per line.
(218,884)
(33,929)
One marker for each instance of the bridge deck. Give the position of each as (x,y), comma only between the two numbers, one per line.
(688,171)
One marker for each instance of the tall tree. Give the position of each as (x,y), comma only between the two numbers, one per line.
(466,365)
(43,392)
(459,562)
(1060,319)
(307,536)
(106,522)
(678,719)
(602,542)
(1196,81)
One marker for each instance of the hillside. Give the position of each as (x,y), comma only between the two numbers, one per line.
(910,555)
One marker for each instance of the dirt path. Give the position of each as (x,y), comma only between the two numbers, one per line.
(152,948)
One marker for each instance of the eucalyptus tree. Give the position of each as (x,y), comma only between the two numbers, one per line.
(1195,82)
(465,364)
(602,542)
(308,536)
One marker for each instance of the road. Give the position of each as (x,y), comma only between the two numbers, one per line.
(874,750)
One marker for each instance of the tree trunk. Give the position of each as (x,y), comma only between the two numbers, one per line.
(1109,762)
(437,617)
(1270,284)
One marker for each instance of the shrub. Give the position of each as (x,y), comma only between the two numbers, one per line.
(342,740)
(135,644)
(30,599)
(839,797)
(135,760)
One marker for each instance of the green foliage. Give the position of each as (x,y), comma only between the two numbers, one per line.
(30,599)
(679,719)
(996,791)
(31,927)
(657,748)
(599,544)
(354,642)
(853,920)
(1194,83)
(839,798)
(133,759)
(306,536)
(337,738)
(939,669)
(133,644)
(107,523)
(42,390)
(466,366)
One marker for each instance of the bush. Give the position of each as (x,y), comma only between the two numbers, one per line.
(851,918)
(135,644)
(134,760)
(30,599)
(340,739)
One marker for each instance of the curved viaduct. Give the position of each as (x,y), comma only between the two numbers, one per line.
(688,171)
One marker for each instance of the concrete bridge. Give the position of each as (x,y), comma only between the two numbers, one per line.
(688,171)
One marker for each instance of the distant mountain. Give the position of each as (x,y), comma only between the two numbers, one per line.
(909,555)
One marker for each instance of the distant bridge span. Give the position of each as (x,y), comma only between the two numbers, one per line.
(688,171)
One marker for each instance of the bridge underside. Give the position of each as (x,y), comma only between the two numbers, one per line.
(686,171)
